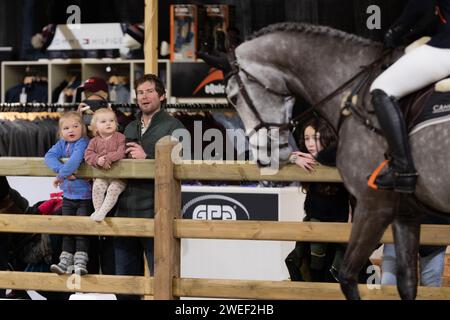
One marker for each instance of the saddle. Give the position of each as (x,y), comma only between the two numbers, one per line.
(422,109)
(429,105)
(426,107)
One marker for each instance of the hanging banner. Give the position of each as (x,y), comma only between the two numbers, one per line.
(87,36)
(196,79)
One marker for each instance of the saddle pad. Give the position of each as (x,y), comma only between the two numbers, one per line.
(436,110)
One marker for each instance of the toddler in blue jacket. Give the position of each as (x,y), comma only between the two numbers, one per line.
(77,192)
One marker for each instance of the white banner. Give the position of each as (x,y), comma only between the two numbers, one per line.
(87,36)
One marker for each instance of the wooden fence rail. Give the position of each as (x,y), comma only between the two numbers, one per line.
(139,285)
(186,170)
(168,230)
(203,288)
(195,229)
(121,227)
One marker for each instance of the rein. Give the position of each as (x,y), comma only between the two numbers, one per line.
(314,108)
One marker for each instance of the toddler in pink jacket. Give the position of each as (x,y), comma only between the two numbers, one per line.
(106,147)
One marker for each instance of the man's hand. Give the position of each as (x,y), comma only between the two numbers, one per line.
(82,107)
(135,151)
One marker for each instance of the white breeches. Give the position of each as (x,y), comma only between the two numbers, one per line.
(414,71)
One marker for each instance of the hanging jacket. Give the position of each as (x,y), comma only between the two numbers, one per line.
(36,92)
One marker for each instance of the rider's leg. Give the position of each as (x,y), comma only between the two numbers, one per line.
(415,70)
(401,175)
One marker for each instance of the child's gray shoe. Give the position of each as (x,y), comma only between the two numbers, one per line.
(65,264)
(81,260)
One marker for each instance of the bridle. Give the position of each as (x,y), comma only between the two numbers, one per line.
(236,69)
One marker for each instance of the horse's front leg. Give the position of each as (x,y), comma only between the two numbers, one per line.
(371,218)
(406,229)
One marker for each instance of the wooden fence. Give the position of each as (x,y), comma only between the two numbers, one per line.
(168,229)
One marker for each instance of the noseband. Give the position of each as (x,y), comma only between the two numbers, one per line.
(235,70)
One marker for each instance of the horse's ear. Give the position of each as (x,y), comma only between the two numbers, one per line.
(269,76)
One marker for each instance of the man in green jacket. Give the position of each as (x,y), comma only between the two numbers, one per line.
(138,198)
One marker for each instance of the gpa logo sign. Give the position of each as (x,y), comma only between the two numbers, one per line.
(215,207)
(229,206)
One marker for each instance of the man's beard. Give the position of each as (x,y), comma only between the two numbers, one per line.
(150,112)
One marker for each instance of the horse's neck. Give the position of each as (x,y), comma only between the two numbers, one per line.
(314,65)
(332,71)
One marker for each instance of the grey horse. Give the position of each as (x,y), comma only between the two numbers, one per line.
(285,60)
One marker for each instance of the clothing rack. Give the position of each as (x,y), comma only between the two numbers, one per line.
(199,106)
(36,107)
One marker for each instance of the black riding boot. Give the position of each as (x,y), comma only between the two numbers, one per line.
(401,174)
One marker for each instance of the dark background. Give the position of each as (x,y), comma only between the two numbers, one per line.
(20,19)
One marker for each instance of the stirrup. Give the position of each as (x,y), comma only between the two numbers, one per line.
(403,182)
(374,175)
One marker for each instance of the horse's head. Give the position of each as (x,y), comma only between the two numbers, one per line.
(264,103)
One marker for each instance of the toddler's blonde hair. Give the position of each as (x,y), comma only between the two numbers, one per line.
(97,113)
(72,115)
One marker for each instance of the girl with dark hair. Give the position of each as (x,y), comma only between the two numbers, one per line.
(325,202)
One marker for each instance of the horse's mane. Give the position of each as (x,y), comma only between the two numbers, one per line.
(312,29)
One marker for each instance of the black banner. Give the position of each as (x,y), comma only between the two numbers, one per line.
(229,206)
(195,79)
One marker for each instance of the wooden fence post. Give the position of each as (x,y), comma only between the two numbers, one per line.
(151,36)
(167,208)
